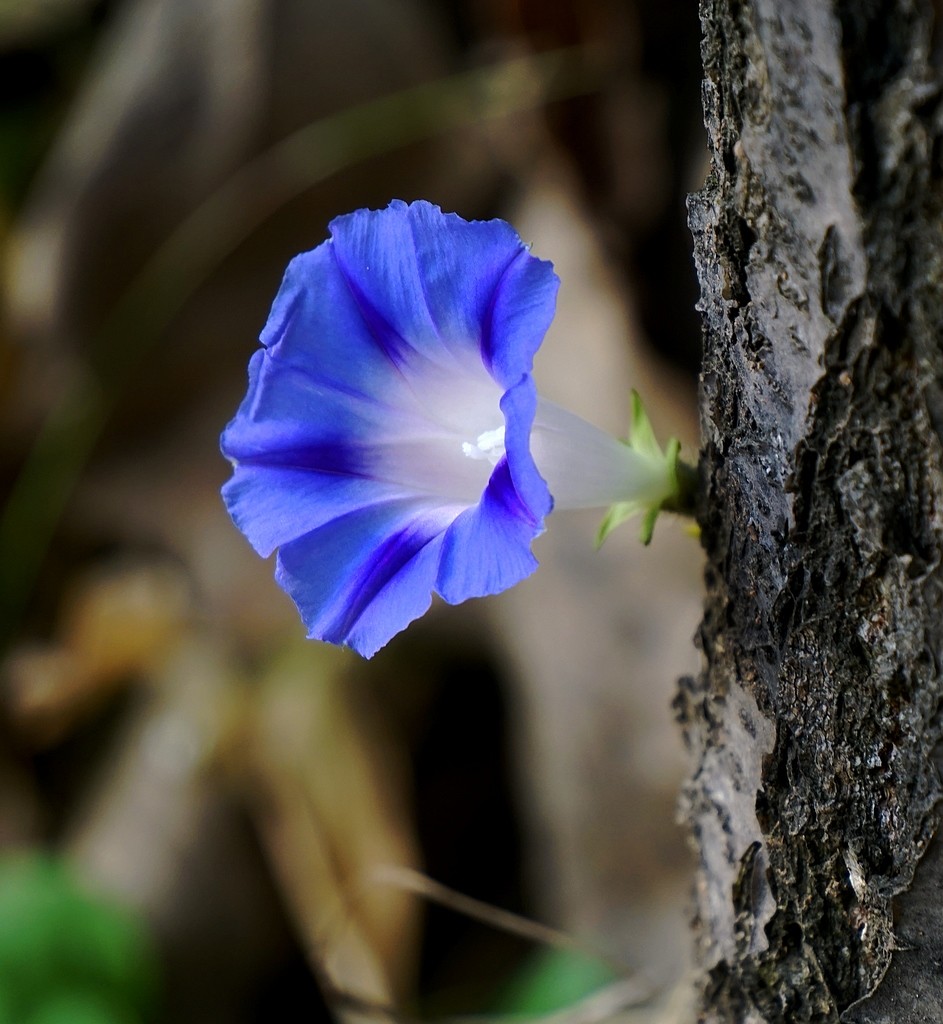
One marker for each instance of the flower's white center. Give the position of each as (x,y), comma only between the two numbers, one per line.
(488,445)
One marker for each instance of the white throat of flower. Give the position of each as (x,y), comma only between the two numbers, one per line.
(488,445)
(450,438)
(587,468)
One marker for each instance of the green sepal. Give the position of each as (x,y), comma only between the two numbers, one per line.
(642,440)
(642,435)
(619,513)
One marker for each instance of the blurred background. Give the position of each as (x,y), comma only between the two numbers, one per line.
(204,817)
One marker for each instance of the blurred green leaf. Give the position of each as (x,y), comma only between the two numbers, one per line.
(81,1008)
(553,979)
(62,947)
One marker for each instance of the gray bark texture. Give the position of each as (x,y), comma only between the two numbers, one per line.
(815,724)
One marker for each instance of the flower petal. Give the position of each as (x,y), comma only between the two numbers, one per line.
(287,407)
(436,285)
(487,548)
(523,308)
(274,505)
(519,406)
(305,453)
(362,578)
(317,326)
(296,465)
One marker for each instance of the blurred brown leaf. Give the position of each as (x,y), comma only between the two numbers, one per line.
(331,795)
(116,621)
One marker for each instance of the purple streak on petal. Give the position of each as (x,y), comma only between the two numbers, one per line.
(285,416)
(287,410)
(362,578)
(317,325)
(520,314)
(341,459)
(519,406)
(387,338)
(386,562)
(375,253)
(403,599)
(460,265)
(428,282)
(274,506)
(487,548)
(306,454)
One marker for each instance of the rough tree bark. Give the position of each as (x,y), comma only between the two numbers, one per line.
(815,722)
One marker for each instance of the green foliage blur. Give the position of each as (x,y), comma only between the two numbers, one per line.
(67,956)
(551,980)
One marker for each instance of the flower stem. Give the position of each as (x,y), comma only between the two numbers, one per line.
(684,500)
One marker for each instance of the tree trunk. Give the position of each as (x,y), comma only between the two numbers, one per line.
(815,722)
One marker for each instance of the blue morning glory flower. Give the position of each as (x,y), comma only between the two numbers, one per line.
(392,444)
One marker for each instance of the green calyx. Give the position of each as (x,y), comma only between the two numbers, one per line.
(680,480)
